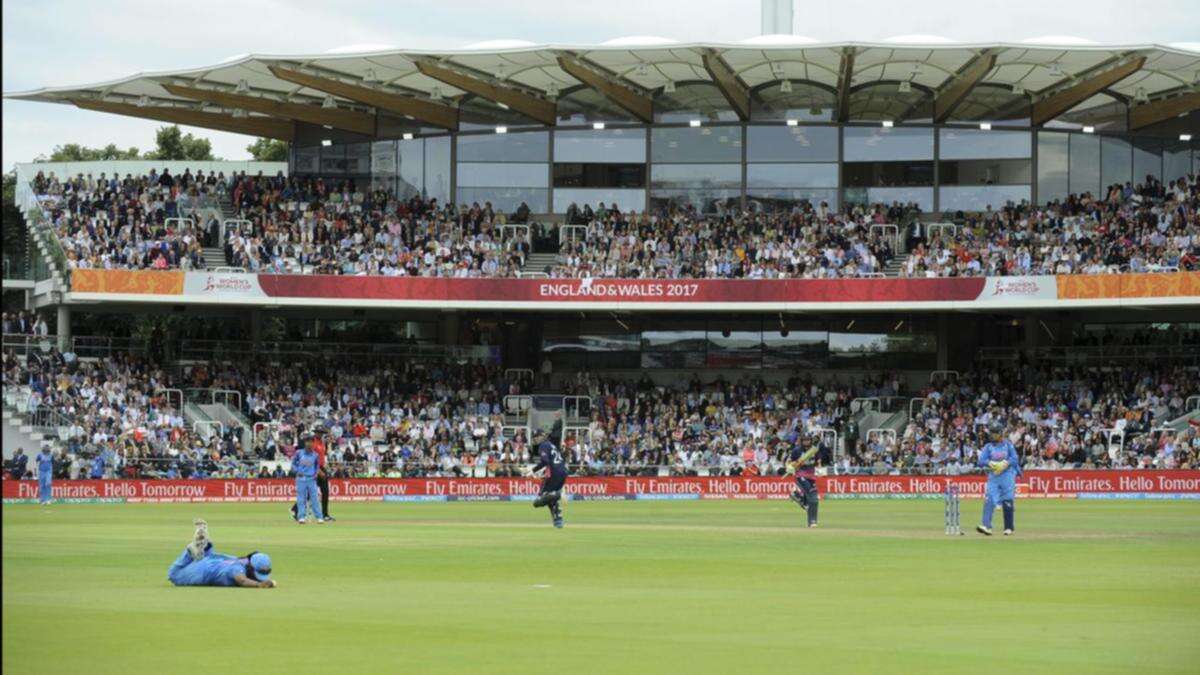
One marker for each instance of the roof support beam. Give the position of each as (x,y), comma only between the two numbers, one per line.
(728,82)
(845,77)
(267,127)
(437,114)
(1160,111)
(346,120)
(951,95)
(529,105)
(1060,102)
(609,86)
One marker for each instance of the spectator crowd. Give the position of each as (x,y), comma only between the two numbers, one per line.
(313,225)
(124,416)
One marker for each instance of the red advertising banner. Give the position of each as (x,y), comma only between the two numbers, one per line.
(621,290)
(1070,484)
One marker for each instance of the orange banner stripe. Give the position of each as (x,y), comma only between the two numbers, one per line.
(1155,285)
(140,282)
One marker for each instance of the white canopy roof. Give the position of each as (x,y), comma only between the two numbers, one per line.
(1034,69)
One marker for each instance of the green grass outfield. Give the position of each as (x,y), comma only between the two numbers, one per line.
(652,587)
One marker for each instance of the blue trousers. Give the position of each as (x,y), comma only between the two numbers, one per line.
(187,572)
(306,491)
(1001,490)
(45,489)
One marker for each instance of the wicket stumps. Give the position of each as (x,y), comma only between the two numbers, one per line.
(952,509)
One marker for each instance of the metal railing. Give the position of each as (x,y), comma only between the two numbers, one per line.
(949,375)
(199,427)
(511,431)
(889,231)
(885,435)
(516,405)
(913,402)
(567,233)
(829,437)
(517,374)
(937,229)
(237,222)
(572,431)
(577,408)
(202,350)
(204,395)
(1095,352)
(178,393)
(22,344)
(97,346)
(866,404)
(45,419)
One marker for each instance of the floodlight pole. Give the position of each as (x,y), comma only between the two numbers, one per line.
(776,17)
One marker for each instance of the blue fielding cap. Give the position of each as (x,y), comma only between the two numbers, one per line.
(261,562)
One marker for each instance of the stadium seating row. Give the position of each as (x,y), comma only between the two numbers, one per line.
(292,225)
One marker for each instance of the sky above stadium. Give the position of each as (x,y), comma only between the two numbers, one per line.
(58,43)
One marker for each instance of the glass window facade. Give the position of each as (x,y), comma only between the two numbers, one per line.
(867,196)
(881,144)
(981,197)
(1085,164)
(791,144)
(410,170)
(791,175)
(695,144)
(1177,162)
(610,146)
(383,165)
(1116,161)
(1053,162)
(306,160)
(980,144)
(437,168)
(742,343)
(527,146)
(358,159)
(780,167)
(625,199)
(333,160)
(696,175)
(476,174)
(504,169)
(1147,160)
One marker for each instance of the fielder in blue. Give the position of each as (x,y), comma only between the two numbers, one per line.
(45,470)
(1003,465)
(305,463)
(199,565)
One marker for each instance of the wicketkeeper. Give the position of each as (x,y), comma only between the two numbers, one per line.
(1003,466)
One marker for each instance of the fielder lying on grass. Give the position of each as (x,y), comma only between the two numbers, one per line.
(199,565)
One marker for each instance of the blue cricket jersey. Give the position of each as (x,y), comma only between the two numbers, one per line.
(45,465)
(220,571)
(304,463)
(998,452)
(549,456)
